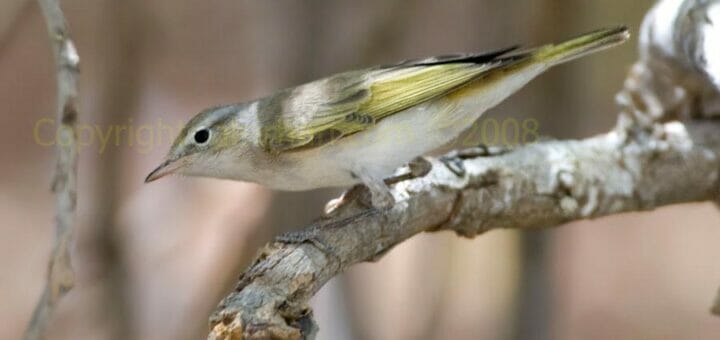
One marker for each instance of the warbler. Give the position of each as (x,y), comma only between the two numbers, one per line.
(359,126)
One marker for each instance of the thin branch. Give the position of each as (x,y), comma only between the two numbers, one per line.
(60,275)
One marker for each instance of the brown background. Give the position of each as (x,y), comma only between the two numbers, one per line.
(178,244)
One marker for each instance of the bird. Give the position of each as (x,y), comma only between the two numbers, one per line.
(358,127)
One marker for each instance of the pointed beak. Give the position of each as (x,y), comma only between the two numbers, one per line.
(166,168)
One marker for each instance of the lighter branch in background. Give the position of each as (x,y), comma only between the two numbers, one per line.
(60,275)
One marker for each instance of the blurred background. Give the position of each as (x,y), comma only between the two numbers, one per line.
(152,261)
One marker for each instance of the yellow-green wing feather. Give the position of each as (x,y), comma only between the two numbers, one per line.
(325,110)
(404,88)
(320,112)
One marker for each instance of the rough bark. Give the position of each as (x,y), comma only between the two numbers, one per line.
(539,185)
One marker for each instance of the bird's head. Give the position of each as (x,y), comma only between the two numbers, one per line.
(207,140)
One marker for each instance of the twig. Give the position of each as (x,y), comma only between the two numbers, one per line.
(60,275)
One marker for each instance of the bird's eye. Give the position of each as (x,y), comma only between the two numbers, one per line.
(201,136)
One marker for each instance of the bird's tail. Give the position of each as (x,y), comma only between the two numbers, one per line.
(585,44)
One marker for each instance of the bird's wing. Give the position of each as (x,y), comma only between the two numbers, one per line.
(317,113)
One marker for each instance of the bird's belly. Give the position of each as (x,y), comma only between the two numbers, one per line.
(380,150)
(398,139)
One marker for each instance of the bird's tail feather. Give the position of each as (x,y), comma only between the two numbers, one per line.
(585,44)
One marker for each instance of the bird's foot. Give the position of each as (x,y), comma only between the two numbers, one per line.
(454,159)
(379,198)
(382,199)
(454,164)
(349,195)
(419,167)
(380,195)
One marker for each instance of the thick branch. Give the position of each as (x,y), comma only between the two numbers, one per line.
(641,165)
(60,275)
(539,185)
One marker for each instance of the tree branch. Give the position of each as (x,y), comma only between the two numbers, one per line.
(539,185)
(60,275)
(645,162)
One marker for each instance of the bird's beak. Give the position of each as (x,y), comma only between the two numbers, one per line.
(166,168)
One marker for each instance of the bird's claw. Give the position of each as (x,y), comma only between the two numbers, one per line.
(454,159)
(454,164)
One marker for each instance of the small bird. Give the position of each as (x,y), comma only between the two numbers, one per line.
(359,126)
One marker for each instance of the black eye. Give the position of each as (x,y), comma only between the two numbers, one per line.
(201,136)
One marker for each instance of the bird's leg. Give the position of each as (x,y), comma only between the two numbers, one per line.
(380,193)
(418,167)
(348,196)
